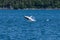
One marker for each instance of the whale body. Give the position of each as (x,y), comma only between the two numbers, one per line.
(30,18)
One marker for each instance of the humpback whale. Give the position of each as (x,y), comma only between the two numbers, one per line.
(30,18)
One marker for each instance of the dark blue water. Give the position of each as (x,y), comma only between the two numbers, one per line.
(13,25)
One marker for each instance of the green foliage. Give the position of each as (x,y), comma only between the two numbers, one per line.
(22,4)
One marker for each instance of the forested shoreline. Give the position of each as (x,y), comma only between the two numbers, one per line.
(29,4)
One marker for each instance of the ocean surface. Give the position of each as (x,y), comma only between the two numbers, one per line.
(13,25)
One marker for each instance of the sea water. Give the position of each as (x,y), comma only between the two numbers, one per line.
(13,25)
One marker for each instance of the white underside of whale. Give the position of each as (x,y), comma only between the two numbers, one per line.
(30,18)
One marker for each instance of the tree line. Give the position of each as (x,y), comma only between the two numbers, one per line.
(23,4)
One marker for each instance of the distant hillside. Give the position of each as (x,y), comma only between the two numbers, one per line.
(23,4)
